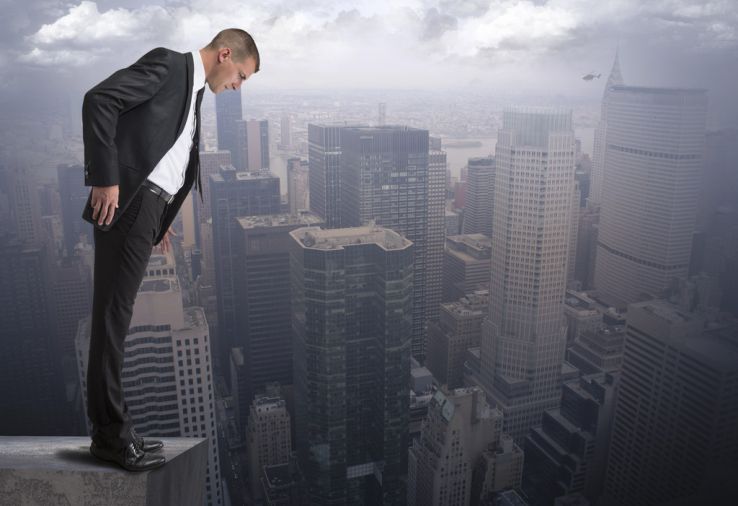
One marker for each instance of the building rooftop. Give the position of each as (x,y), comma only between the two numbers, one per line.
(338,238)
(158,285)
(305,218)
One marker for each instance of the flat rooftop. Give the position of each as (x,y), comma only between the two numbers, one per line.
(338,238)
(306,219)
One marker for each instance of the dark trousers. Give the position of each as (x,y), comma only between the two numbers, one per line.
(121,256)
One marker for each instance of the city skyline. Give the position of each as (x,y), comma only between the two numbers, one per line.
(448,291)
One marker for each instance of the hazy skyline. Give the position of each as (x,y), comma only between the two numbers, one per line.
(501,46)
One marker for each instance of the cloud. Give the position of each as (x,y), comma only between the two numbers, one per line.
(374,42)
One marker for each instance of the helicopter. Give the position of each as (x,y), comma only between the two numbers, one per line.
(591,76)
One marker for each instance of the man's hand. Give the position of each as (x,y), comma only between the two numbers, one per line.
(104,203)
(166,244)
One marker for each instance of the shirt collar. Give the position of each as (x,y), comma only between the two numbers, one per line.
(199,77)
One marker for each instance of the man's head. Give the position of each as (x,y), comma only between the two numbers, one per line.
(229,59)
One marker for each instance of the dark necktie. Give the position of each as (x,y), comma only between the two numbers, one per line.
(196,140)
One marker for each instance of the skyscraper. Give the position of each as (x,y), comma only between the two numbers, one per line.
(385,178)
(568,452)
(261,271)
(298,192)
(652,169)
(285,125)
(253,144)
(466,265)
(436,232)
(459,328)
(73,196)
(210,163)
(460,425)
(234,194)
(352,307)
(167,376)
(523,340)
(600,136)
(324,158)
(268,439)
(480,191)
(31,381)
(675,430)
(227,111)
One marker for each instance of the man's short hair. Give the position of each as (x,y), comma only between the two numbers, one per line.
(242,45)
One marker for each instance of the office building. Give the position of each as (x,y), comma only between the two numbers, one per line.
(675,429)
(447,465)
(268,440)
(73,197)
(352,318)
(480,187)
(253,144)
(298,191)
(228,111)
(600,137)
(652,170)
(261,275)
(234,194)
(459,328)
(31,379)
(167,376)
(567,454)
(210,163)
(436,232)
(384,178)
(524,338)
(466,265)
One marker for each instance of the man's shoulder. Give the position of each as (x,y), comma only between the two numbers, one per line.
(164,55)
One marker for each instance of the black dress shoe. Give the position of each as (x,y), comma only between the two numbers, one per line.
(146,445)
(129,458)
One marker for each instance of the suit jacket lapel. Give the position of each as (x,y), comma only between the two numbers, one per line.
(189,78)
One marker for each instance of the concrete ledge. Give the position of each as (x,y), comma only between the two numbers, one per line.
(50,471)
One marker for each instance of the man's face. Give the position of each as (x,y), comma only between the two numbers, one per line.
(229,74)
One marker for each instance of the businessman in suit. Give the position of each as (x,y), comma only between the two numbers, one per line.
(141,129)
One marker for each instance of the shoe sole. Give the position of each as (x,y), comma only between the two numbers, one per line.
(135,470)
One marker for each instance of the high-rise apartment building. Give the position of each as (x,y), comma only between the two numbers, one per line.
(675,429)
(227,112)
(167,376)
(523,340)
(652,168)
(480,188)
(234,194)
(352,318)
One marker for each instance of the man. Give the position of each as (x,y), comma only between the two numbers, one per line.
(141,129)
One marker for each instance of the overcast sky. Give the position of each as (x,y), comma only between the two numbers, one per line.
(502,46)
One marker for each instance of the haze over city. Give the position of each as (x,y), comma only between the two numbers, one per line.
(475,252)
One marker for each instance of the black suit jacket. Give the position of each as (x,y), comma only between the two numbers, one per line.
(131,119)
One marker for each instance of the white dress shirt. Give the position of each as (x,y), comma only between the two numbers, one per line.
(169,173)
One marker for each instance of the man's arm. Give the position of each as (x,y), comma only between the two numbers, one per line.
(103,104)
